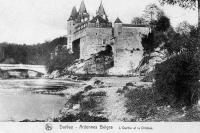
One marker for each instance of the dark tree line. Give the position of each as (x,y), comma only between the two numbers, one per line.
(38,54)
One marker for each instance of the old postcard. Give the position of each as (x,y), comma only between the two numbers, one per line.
(105,65)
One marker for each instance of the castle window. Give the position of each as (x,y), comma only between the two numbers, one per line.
(104,41)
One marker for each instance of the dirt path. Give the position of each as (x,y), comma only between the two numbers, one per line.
(115,106)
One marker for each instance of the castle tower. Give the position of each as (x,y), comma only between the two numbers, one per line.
(101,12)
(82,14)
(70,26)
(117,27)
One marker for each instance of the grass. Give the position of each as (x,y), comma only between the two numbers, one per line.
(143,104)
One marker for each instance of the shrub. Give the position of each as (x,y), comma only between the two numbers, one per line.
(141,102)
(75,99)
(149,77)
(88,104)
(125,88)
(177,79)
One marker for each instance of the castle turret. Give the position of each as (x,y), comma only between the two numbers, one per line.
(71,21)
(101,12)
(74,14)
(83,14)
(70,26)
(117,27)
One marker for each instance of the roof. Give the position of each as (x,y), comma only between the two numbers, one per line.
(100,19)
(133,25)
(74,14)
(82,8)
(118,20)
(101,10)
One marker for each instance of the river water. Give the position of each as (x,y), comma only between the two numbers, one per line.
(18,100)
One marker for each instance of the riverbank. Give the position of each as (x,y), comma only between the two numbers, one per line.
(98,100)
(118,99)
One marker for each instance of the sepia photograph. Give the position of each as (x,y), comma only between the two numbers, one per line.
(99,61)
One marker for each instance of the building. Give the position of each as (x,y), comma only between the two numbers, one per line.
(87,36)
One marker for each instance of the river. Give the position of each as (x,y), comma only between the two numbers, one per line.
(18,100)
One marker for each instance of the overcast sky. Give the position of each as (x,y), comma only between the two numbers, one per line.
(35,21)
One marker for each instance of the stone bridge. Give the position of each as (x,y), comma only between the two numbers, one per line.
(36,68)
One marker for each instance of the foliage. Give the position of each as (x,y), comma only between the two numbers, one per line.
(158,35)
(162,24)
(152,13)
(138,21)
(178,42)
(181,3)
(177,79)
(184,28)
(61,61)
(38,54)
(141,102)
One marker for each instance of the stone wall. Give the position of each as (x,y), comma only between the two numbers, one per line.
(128,50)
(95,41)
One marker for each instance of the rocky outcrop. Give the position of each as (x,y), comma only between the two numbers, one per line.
(149,61)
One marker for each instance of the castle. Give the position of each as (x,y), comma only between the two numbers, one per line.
(87,36)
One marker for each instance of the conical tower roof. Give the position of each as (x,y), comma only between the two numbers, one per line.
(101,10)
(82,9)
(118,20)
(74,14)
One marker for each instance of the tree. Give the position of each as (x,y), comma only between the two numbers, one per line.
(158,36)
(152,13)
(138,21)
(184,28)
(186,4)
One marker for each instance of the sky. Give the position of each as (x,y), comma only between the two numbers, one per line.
(36,21)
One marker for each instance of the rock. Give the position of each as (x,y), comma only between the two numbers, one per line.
(76,107)
(54,74)
(149,61)
(120,91)
(97,82)
(129,84)
(87,88)
(75,78)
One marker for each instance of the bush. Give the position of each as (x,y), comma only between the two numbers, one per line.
(177,80)
(88,103)
(141,102)
(75,99)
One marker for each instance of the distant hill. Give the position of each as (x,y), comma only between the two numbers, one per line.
(38,54)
